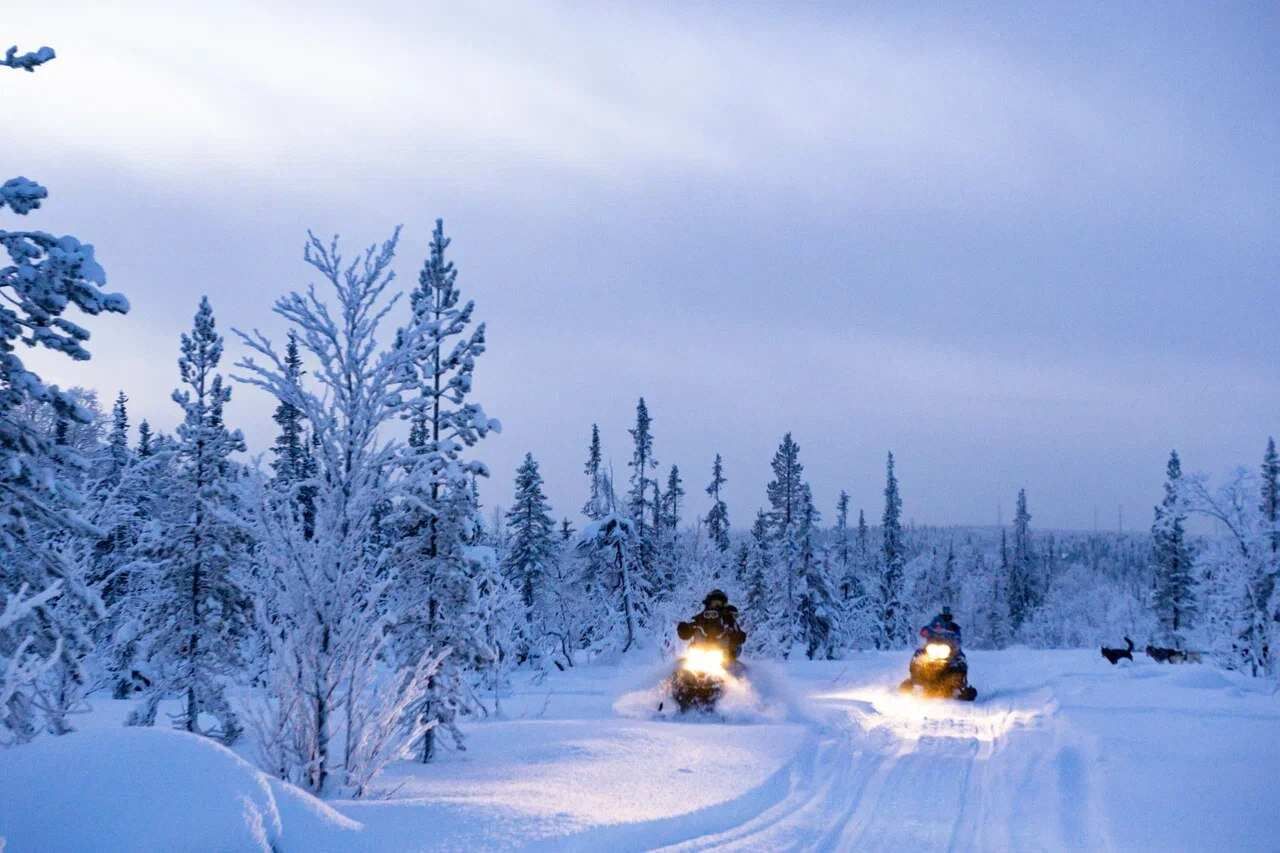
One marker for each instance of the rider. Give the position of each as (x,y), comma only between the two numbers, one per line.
(717,622)
(952,677)
(943,628)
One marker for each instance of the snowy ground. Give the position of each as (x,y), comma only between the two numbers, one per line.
(1061,751)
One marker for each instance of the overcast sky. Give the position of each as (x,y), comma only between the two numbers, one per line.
(1026,246)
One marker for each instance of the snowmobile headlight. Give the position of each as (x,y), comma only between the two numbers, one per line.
(937,651)
(704,661)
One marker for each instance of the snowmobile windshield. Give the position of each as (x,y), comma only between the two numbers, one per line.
(933,633)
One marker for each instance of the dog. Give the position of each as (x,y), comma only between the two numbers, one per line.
(1114,655)
(1161,655)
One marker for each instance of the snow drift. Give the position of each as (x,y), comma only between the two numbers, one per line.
(133,789)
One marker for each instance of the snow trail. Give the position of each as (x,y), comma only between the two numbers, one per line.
(890,771)
(1061,751)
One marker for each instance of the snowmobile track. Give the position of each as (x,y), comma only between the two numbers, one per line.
(893,773)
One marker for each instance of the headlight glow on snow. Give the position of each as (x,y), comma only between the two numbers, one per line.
(937,651)
(704,661)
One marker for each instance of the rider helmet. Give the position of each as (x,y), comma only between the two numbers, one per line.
(715,595)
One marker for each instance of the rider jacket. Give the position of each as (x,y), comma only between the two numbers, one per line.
(945,630)
(718,624)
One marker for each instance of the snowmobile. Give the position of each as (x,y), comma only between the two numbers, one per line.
(700,675)
(939,669)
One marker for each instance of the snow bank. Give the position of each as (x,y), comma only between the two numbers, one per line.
(149,789)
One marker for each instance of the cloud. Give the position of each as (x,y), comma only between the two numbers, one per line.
(235,90)
(1013,249)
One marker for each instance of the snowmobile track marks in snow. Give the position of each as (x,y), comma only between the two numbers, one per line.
(894,772)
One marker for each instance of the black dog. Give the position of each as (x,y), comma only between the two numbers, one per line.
(1114,655)
(1160,655)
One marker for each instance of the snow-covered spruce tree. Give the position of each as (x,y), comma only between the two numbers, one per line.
(532,549)
(1269,507)
(333,714)
(672,557)
(659,523)
(862,542)
(106,476)
(741,557)
(294,463)
(639,504)
(443,422)
(894,630)
(993,600)
(591,565)
(786,502)
(857,625)
(842,548)
(948,583)
(144,440)
(1023,594)
(195,614)
(818,609)
(593,507)
(438,600)
(45,276)
(764,604)
(673,500)
(718,515)
(1175,595)
(118,438)
(119,504)
(123,568)
(436,521)
(622,594)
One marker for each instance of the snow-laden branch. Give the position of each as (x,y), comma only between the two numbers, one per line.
(22,667)
(1231,506)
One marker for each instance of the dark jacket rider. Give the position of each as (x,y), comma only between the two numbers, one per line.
(943,628)
(718,622)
